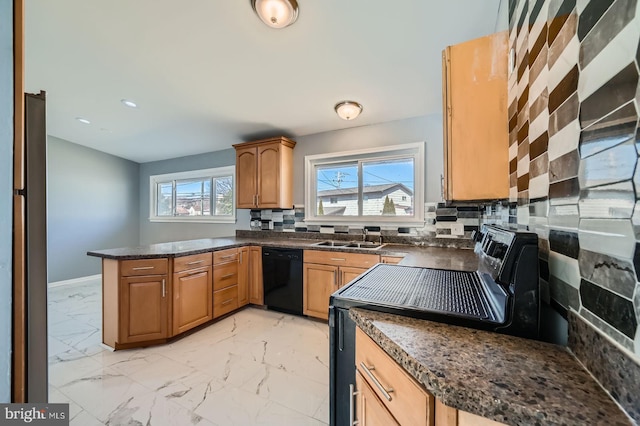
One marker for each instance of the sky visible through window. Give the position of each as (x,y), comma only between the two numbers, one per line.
(374,173)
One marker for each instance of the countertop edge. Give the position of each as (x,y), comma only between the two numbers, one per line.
(392,250)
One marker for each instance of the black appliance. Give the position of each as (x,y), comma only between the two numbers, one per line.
(502,295)
(282,279)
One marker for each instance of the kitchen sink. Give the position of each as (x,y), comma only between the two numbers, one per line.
(350,244)
(333,243)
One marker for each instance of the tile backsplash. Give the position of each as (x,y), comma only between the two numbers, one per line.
(441,221)
(573,134)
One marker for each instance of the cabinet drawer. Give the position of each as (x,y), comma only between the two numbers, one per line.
(225,256)
(340,258)
(190,262)
(225,275)
(394,260)
(371,411)
(130,268)
(225,301)
(403,397)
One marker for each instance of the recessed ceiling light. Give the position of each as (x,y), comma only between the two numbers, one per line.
(128,103)
(83,120)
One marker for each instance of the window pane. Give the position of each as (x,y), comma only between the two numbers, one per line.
(206,198)
(224,196)
(164,199)
(337,190)
(388,187)
(189,197)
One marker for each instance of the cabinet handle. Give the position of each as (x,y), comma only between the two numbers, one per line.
(384,391)
(257,199)
(335,278)
(227,276)
(164,288)
(339,259)
(142,268)
(352,394)
(229,256)
(240,261)
(226,302)
(195,262)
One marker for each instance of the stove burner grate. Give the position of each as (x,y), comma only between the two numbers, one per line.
(445,291)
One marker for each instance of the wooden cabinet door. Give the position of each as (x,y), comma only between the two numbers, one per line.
(370,411)
(269,175)
(192,298)
(476,133)
(246,174)
(256,289)
(143,308)
(348,274)
(319,282)
(244,262)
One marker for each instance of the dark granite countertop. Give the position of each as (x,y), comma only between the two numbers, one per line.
(424,256)
(508,379)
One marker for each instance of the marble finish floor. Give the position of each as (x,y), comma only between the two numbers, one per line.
(256,367)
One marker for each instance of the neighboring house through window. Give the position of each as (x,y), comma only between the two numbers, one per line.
(194,196)
(380,185)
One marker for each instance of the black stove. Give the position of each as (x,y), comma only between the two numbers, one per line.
(501,295)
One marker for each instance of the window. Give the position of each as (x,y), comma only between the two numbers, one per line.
(195,196)
(378,185)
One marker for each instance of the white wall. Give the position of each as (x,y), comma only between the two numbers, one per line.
(6,194)
(426,128)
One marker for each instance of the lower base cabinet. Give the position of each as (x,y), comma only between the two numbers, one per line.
(143,308)
(387,395)
(192,299)
(370,410)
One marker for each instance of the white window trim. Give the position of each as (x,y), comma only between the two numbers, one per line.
(193,174)
(417,150)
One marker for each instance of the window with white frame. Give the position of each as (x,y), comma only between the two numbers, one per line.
(378,185)
(194,196)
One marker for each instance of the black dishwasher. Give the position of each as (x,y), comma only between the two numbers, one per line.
(282,279)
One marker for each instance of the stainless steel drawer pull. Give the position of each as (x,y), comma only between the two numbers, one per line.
(352,394)
(226,302)
(229,256)
(142,268)
(341,259)
(164,288)
(227,276)
(368,370)
(195,262)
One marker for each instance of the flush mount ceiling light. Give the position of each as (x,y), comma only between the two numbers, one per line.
(83,120)
(129,103)
(348,110)
(276,13)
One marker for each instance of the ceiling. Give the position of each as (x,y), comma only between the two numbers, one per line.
(209,73)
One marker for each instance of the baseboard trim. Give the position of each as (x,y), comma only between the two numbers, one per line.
(79,280)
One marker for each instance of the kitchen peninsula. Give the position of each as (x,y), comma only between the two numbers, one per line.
(156,292)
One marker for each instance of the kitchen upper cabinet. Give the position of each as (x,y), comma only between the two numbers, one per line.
(476,134)
(136,301)
(192,291)
(264,173)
